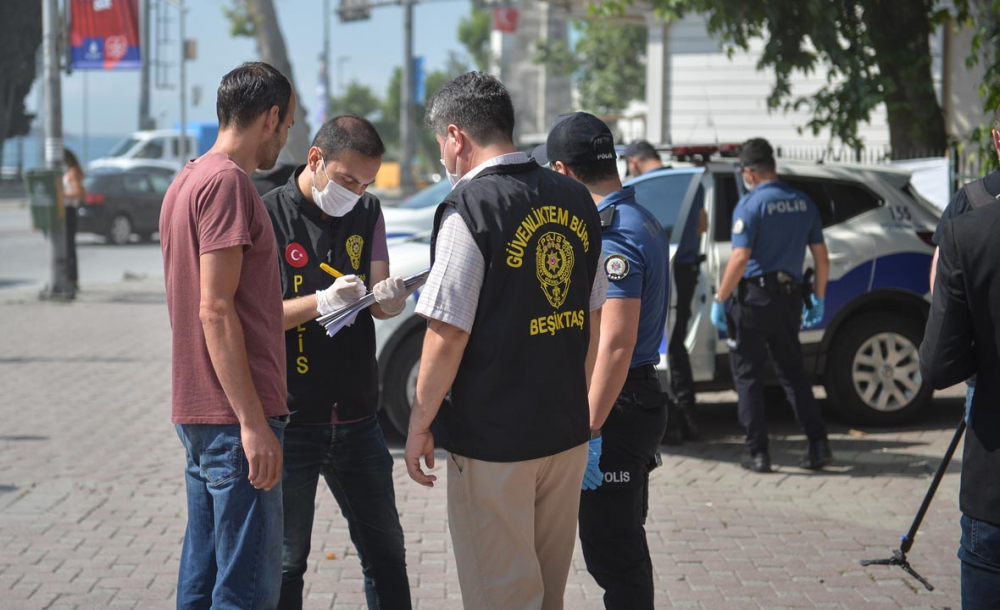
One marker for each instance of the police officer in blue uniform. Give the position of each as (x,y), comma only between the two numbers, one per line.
(627,404)
(762,302)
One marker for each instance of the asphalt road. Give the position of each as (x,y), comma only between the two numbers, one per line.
(25,255)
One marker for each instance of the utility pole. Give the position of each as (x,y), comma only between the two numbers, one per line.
(406,103)
(59,286)
(328,113)
(182,43)
(146,121)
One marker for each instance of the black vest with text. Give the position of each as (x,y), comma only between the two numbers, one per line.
(521,389)
(325,372)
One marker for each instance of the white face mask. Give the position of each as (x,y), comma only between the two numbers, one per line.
(452,178)
(334,200)
(747,185)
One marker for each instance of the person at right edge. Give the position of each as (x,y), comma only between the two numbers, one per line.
(973,195)
(626,401)
(642,159)
(761,303)
(960,340)
(513,301)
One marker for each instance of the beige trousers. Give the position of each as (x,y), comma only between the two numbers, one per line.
(513,527)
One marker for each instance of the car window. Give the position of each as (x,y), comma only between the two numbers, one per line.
(136,184)
(663,195)
(104,184)
(123,147)
(850,200)
(424,198)
(160,183)
(152,150)
(815,190)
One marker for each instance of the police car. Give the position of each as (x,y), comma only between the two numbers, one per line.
(877,230)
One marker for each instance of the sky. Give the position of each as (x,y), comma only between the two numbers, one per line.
(373,48)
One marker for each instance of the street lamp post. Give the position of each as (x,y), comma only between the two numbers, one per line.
(182,10)
(406,103)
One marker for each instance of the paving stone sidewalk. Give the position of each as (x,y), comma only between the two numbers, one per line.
(92,500)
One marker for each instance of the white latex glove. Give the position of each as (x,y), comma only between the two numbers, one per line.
(341,293)
(390,294)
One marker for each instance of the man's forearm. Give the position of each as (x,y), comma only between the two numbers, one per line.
(595,341)
(299,310)
(734,271)
(227,349)
(610,373)
(444,346)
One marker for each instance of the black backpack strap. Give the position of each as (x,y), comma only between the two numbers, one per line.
(978,195)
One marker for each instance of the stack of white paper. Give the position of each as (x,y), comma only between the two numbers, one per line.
(336,320)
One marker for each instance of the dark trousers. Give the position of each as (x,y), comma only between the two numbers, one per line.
(612,517)
(763,321)
(71,265)
(356,464)
(681,378)
(980,556)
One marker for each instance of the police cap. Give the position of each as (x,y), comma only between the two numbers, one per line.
(578,138)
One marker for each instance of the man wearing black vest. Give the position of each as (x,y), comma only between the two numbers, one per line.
(331,242)
(961,340)
(513,302)
(626,401)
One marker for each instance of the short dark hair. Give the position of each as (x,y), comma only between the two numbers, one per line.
(477,103)
(249,91)
(593,173)
(641,150)
(757,153)
(348,132)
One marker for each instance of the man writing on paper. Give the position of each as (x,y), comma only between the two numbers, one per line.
(327,225)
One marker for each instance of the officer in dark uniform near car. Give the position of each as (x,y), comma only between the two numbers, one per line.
(331,244)
(642,158)
(762,302)
(627,403)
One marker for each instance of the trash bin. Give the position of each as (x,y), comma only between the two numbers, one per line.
(45,198)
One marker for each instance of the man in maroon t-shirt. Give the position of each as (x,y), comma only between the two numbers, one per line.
(224,300)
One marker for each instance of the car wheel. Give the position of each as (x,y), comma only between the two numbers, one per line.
(400,384)
(873,371)
(120,230)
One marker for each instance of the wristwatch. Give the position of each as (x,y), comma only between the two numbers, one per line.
(595,434)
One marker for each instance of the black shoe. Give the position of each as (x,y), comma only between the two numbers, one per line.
(757,462)
(817,456)
(673,437)
(689,427)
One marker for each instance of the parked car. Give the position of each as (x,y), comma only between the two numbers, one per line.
(415,214)
(122,202)
(864,352)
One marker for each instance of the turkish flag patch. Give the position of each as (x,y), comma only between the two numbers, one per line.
(296,255)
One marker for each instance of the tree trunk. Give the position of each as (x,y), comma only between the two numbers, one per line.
(900,33)
(272,50)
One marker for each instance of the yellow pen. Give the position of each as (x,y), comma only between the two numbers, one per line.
(330,270)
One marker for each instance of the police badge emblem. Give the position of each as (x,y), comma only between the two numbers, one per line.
(354,245)
(738,226)
(616,267)
(553,266)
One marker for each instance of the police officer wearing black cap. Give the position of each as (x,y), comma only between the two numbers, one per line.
(643,158)
(626,401)
(762,295)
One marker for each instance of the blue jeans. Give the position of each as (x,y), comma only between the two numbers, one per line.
(232,547)
(980,556)
(970,390)
(357,467)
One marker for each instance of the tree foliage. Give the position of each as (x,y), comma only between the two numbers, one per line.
(474,34)
(357,99)
(984,17)
(20,36)
(607,63)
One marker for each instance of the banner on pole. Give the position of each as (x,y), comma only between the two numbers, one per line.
(104,35)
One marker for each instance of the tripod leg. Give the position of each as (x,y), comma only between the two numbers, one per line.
(908,539)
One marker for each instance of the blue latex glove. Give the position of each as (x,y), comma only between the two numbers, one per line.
(814,315)
(593,477)
(719,316)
